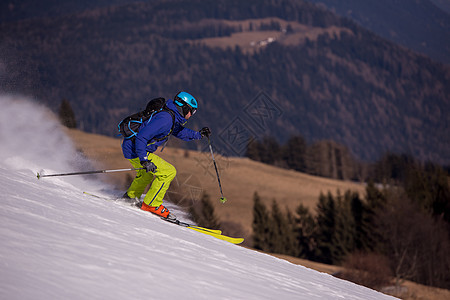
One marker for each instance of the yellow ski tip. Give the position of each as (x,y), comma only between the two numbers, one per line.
(229,239)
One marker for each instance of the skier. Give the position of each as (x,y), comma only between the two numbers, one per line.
(140,152)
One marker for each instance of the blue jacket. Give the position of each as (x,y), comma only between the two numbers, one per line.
(157,127)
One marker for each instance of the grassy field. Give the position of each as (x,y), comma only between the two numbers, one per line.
(240,178)
(250,40)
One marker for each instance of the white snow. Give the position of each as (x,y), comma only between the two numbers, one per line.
(56,243)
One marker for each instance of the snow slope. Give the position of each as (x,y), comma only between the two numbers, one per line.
(56,243)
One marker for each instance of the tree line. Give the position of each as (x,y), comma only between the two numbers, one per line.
(399,228)
(403,224)
(323,158)
(328,158)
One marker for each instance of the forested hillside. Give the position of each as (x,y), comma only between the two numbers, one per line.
(442,4)
(320,76)
(419,25)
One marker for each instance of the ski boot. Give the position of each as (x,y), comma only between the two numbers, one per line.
(161,211)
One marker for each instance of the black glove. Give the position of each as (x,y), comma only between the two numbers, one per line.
(205,131)
(148,166)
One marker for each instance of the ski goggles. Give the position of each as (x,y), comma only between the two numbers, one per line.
(185,107)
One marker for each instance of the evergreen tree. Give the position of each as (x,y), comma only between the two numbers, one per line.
(375,202)
(294,152)
(326,221)
(66,114)
(208,213)
(204,214)
(344,232)
(292,245)
(279,230)
(359,213)
(253,150)
(305,230)
(261,224)
(393,167)
(267,151)
(271,151)
(429,187)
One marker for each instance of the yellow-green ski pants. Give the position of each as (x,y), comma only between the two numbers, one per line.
(162,178)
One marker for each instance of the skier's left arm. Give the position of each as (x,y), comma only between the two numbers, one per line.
(187,134)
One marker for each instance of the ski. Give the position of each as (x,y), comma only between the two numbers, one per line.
(211,232)
(207,231)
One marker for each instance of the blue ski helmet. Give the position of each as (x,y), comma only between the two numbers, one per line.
(186,102)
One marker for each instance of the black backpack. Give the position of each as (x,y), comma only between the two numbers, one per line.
(129,127)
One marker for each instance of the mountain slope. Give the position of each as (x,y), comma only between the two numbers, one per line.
(59,244)
(418,25)
(323,78)
(443,4)
(16,10)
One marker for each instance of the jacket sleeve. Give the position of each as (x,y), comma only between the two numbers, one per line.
(186,134)
(157,127)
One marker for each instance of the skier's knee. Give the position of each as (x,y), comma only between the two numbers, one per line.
(172,172)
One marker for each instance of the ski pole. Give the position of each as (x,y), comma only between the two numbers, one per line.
(223,199)
(87,172)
